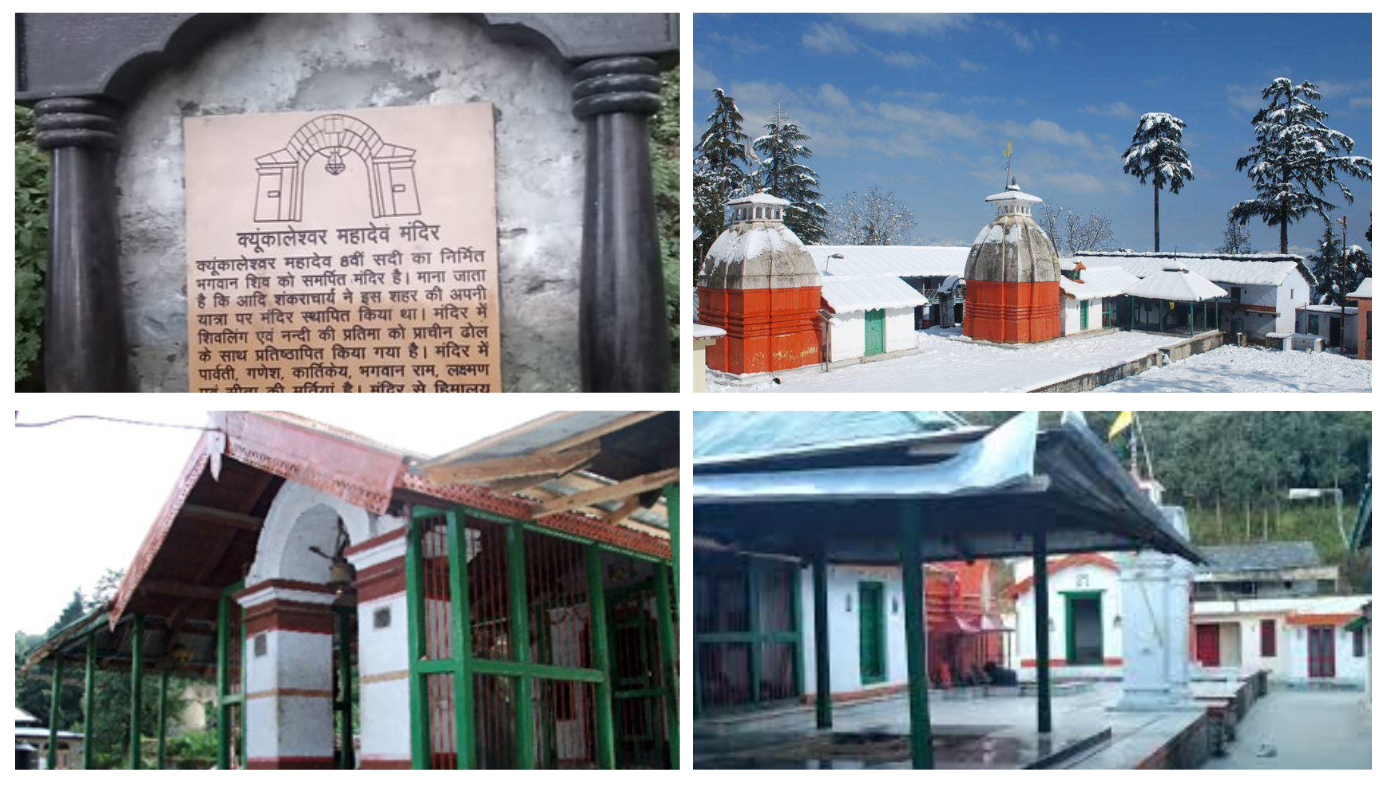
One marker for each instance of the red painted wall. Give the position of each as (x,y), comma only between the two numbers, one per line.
(767,329)
(1013,312)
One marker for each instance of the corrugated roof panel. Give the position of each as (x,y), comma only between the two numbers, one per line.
(900,261)
(726,434)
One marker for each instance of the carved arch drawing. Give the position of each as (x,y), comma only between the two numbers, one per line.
(389,168)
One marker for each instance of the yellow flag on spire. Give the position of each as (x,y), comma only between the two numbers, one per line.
(1007,152)
(1123,421)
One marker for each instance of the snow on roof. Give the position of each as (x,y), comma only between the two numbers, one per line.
(902,261)
(1014,194)
(741,243)
(759,198)
(845,294)
(1328,308)
(1364,290)
(1238,269)
(707,331)
(1179,285)
(1098,282)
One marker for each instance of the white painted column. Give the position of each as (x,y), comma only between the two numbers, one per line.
(1146,639)
(383,650)
(288,675)
(1179,613)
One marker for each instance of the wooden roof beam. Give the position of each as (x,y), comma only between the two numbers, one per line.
(621,490)
(229,518)
(179,589)
(533,464)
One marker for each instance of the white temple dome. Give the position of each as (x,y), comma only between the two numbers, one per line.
(758,251)
(1012,248)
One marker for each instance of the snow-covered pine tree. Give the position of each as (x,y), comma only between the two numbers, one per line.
(1157,153)
(1235,238)
(781,173)
(1335,278)
(1295,158)
(1326,263)
(718,172)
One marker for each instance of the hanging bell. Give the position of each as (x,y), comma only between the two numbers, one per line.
(340,576)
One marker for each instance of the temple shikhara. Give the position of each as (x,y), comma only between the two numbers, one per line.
(1012,276)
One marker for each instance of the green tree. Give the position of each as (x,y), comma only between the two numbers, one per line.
(664,155)
(30,246)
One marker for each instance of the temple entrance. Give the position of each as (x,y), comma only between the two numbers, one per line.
(1084,615)
(1322,658)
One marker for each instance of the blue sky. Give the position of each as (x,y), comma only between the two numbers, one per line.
(924,104)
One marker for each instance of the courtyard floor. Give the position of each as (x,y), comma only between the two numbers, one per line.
(1309,729)
(971,733)
(1230,369)
(946,363)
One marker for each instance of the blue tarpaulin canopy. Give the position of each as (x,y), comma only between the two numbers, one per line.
(797,483)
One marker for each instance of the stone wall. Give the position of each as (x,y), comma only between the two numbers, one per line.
(313,62)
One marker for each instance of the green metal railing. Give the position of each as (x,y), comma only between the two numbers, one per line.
(464,665)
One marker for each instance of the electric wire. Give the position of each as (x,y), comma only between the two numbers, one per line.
(106,419)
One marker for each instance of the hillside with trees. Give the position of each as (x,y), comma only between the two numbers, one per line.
(1232,471)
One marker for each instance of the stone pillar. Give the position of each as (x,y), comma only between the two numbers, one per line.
(383,650)
(1146,639)
(623,329)
(288,675)
(84,329)
(1180,613)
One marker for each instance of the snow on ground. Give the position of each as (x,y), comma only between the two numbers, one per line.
(950,363)
(1230,369)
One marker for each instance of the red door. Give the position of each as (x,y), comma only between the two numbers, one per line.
(1322,660)
(1207,651)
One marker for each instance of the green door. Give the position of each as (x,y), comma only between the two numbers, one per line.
(872,611)
(1082,315)
(875,332)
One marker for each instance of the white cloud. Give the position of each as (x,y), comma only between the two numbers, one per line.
(1077,182)
(1361,102)
(1244,98)
(703,79)
(829,39)
(968,65)
(1042,130)
(834,97)
(901,59)
(905,24)
(1117,109)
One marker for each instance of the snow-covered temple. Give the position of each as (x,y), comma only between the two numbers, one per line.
(761,287)
(1012,276)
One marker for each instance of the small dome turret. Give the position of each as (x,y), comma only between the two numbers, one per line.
(758,251)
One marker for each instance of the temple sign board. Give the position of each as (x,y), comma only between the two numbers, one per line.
(350,251)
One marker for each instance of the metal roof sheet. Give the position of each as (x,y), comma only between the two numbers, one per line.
(846,294)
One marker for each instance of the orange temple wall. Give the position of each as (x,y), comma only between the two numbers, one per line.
(767,329)
(1013,312)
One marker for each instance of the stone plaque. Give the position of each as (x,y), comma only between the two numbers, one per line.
(349,251)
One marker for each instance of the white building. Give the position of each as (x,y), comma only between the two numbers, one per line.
(1298,640)
(1327,321)
(867,657)
(1263,290)
(872,317)
(923,268)
(1084,617)
(1092,298)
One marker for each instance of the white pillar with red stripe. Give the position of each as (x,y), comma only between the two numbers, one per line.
(382,618)
(288,675)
